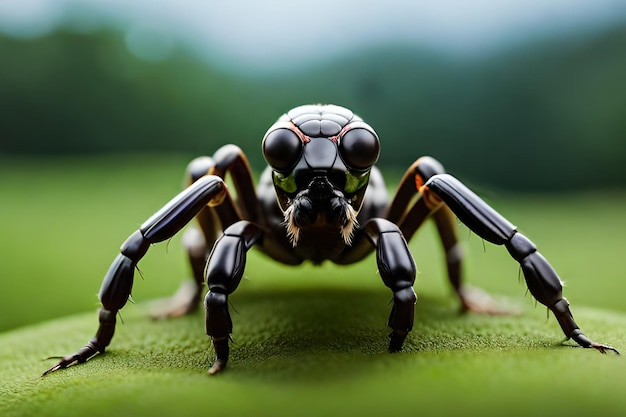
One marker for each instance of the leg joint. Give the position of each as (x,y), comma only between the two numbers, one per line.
(405,296)
(215,298)
(426,167)
(225,157)
(519,246)
(136,246)
(455,254)
(199,167)
(403,311)
(542,280)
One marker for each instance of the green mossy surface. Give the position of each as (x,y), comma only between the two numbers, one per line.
(312,352)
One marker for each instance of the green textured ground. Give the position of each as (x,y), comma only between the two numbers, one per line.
(303,352)
(309,341)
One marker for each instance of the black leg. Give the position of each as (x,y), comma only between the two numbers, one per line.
(224,271)
(198,241)
(410,209)
(397,269)
(542,280)
(118,281)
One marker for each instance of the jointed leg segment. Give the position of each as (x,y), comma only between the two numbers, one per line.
(542,280)
(118,281)
(409,210)
(224,273)
(427,190)
(198,241)
(397,269)
(207,199)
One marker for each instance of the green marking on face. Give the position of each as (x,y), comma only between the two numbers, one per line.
(285,183)
(356,181)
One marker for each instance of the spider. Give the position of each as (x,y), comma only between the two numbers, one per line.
(321,198)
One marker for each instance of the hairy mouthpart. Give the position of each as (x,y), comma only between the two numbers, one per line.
(347,230)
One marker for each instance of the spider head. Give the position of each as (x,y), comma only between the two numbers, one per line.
(321,157)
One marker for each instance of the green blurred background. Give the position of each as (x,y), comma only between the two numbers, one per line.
(525,96)
(102,103)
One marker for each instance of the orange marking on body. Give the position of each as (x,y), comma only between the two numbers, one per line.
(419,183)
(289,125)
(431,199)
(219,197)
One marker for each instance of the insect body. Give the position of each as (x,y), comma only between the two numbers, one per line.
(320,199)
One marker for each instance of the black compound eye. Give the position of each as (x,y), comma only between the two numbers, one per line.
(359,148)
(282,149)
